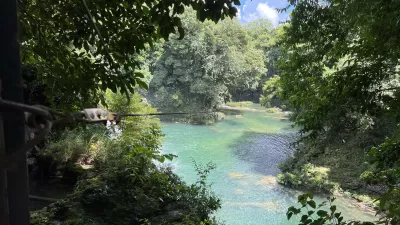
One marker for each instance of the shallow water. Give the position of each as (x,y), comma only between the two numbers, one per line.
(247,148)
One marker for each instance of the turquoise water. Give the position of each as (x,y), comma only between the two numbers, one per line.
(247,148)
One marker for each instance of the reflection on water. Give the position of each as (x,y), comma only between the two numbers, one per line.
(247,148)
(264,151)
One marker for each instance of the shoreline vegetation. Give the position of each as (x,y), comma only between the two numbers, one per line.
(315,178)
(333,65)
(114,175)
(245,106)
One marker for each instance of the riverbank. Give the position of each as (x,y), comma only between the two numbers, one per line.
(321,169)
(247,148)
(333,169)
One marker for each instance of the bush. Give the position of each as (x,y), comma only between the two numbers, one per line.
(125,185)
(127,188)
(310,177)
(273,110)
(73,145)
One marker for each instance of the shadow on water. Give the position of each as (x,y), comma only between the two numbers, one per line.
(233,122)
(247,148)
(264,151)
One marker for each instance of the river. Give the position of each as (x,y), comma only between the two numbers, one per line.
(247,148)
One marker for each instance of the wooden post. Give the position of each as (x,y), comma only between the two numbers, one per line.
(3,176)
(13,122)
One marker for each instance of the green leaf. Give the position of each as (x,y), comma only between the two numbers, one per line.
(304,218)
(312,204)
(161,159)
(138,74)
(170,156)
(310,195)
(322,213)
(289,215)
(142,84)
(333,208)
(291,209)
(301,197)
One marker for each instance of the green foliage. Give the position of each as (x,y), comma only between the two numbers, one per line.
(70,145)
(310,177)
(264,37)
(273,110)
(124,184)
(367,200)
(311,214)
(244,104)
(77,63)
(335,156)
(142,131)
(339,72)
(338,66)
(270,94)
(385,161)
(208,66)
(127,188)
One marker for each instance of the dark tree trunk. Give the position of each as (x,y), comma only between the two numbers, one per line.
(13,122)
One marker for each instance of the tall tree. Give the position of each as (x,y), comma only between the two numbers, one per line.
(213,62)
(81,47)
(340,71)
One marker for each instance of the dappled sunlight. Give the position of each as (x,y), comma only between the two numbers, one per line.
(244,183)
(267,181)
(265,205)
(237,175)
(240,191)
(247,153)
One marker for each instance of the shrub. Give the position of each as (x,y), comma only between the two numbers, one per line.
(273,110)
(125,185)
(310,176)
(127,189)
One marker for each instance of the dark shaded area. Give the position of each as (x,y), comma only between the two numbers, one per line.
(264,151)
(14,200)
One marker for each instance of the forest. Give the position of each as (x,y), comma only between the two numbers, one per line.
(333,66)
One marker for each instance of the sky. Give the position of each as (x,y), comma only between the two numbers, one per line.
(250,10)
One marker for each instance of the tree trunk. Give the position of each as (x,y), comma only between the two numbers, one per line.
(13,122)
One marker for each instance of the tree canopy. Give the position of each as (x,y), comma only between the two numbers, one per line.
(340,59)
(80,47)
(212,63)
(339,71)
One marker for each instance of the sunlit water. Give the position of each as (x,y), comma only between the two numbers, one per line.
(247,149)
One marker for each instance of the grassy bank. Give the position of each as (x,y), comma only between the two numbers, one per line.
(333,169)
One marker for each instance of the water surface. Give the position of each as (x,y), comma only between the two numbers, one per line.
(247,148)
